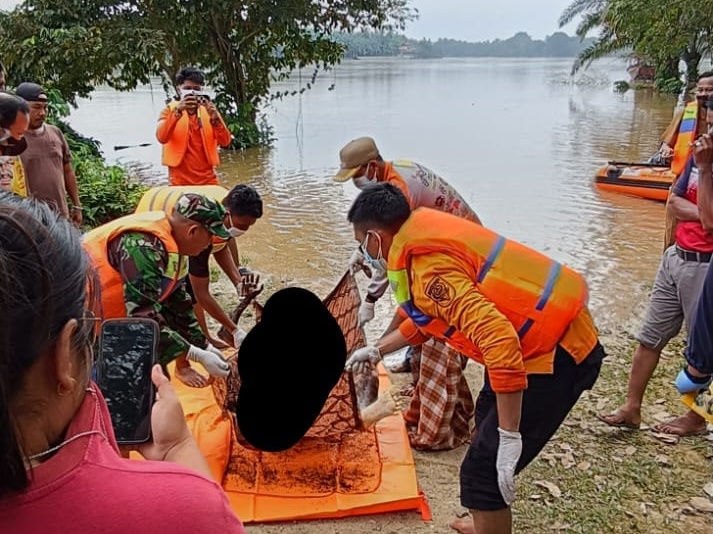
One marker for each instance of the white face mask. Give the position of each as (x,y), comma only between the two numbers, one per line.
(362,182)
(234,232)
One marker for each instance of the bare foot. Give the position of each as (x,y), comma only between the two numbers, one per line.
(690,424)
(190,377)
(622,418)
(388,403)
(464,525)
(408,390)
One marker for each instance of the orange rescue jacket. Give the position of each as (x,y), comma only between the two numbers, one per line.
(112,285)
(164,198)
(539,296)
(175,148)
(686,135)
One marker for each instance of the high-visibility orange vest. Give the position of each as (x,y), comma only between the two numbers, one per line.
(96,242)
(164,198)
(538,295)
(686,135)
(175,148)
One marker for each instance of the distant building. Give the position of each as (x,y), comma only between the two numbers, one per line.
(641,71)
(407,51)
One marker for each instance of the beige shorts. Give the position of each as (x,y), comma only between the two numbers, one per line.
(673,299)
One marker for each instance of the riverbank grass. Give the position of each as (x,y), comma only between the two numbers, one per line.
(592,478)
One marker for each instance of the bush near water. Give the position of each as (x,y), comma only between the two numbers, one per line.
(106,192)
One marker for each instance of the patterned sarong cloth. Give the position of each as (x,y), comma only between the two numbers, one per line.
(442,407)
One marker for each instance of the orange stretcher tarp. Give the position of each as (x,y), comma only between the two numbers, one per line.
(336,470)
(394,488)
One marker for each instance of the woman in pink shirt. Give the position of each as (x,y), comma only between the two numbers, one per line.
(60,467)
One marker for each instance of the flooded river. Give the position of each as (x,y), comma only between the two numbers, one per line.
(519,140)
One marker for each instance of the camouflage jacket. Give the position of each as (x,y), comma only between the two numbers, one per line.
(141,259)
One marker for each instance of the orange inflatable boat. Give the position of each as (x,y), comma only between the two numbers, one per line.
(635,179)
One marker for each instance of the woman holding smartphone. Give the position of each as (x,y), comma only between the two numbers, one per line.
(60,466)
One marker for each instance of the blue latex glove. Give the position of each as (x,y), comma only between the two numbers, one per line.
(687,383)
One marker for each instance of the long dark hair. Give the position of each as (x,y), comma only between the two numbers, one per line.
(44,282)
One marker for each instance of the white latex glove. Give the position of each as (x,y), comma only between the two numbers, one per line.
(364,354)
(366,312)
(509,451)
(356,263)
(210,358)
(215,350)
(238,337)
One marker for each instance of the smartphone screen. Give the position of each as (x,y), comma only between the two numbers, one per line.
(127,352)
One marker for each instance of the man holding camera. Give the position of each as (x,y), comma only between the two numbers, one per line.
(190,130)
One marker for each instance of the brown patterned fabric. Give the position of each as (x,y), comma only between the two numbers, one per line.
(442,405)
(336,455)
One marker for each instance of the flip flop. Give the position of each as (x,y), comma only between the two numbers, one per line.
(615,424)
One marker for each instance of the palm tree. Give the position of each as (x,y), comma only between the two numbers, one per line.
(585,8)
(594,15)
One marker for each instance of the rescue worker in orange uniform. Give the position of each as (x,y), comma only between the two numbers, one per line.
(519,313)
(190,130)
(142,262)
(361,162)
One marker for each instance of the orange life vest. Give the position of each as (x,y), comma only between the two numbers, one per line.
(538,295)
(686,135)
(175,148)
(164,198)
(96,242)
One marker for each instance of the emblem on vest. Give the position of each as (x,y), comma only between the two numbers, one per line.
(440,291)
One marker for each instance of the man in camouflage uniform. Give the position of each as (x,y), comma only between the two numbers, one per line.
(145,268)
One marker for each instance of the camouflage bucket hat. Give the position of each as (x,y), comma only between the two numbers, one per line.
(203,210)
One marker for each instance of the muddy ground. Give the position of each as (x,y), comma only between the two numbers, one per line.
(590,478)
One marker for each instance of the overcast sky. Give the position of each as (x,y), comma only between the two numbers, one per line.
(480,20)
(474,20)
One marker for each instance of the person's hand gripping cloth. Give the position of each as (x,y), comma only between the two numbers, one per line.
(288,364)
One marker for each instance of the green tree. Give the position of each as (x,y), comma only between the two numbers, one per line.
(243,46)
(664,29)
(74,45)
(660,31)
(592,15)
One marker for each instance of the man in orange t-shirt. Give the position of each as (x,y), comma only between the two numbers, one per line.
(190,130)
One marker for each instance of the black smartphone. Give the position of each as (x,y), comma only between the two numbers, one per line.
(128,349)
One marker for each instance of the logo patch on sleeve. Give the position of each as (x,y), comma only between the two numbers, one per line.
(440,291)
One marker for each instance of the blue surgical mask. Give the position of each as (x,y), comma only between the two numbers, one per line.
(378,263)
